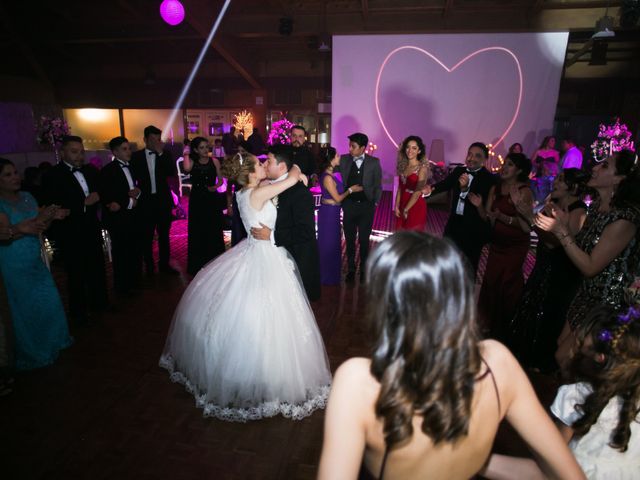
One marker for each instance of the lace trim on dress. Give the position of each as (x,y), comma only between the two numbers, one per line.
(263,410)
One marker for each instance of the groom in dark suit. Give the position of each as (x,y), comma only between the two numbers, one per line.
(465,227)
(358,208)
(295,224)
(153,167)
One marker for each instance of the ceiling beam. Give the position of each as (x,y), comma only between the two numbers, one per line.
(196,10)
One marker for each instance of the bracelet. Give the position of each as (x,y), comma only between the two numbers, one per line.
(349,190)
(510,220)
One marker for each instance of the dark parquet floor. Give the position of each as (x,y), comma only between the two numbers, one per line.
(106,410)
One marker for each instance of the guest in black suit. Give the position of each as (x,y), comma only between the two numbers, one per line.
(74,186)
(465,226)
(359,208)
(152,168)
(295,224)
(301,155)
(119,197)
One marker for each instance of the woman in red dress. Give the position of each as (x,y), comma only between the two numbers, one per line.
(503,281)
(413,169)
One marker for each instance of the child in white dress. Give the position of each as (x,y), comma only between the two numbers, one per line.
(599,415)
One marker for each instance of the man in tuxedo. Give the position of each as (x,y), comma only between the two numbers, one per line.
(465,227)
(302,156)
(119,197)
(152,168)
(295,224)
(359,208)
(74,186)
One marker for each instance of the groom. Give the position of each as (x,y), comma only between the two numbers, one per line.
(295,224)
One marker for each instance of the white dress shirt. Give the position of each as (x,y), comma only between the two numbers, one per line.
(80,178)
(463,195)
(151,166)
(358,161)
(572,159)
(125,168)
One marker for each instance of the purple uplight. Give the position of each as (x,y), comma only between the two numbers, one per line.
(172,12)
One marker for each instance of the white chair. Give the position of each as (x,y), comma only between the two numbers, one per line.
(184,179)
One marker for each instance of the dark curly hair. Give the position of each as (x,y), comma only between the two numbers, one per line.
(326,155)
(618,375)
(628,191)
(403,161)
(522,163)
(425,354)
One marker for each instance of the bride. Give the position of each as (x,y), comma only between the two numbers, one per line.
(243,339)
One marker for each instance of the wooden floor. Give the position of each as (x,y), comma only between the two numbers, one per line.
(106,410)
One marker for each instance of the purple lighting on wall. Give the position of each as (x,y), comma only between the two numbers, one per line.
(172,12)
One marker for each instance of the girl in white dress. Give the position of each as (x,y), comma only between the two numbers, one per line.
(599,415)
(244,340)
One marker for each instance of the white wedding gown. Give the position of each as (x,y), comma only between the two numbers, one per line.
(244,340)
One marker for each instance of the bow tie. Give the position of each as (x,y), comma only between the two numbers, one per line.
(124,165)
(358,158)
(152,153)
(75,169)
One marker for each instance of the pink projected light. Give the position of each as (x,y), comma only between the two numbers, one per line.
(449,70)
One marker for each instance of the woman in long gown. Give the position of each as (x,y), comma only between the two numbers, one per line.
(410,209)
(39,323)
(545,159)
(553,283)
(503,280)
(205,237)
(248,347)
(329,231)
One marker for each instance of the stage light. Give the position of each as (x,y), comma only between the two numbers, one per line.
(172,12)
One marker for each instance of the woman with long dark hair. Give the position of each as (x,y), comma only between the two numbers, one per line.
(606,251)
(329,231)
(428,402)
(545,161)
(205,237)
(413,170)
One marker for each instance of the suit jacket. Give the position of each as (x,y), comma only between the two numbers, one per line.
(295,231)
(114,187)
(303,157)
(469,223)
(60,187)
(371,175)
(165,170)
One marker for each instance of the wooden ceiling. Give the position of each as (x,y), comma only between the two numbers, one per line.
(81,41)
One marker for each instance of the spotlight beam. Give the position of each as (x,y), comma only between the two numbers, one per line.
(194,70)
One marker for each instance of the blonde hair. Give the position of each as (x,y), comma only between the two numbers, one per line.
(238,168)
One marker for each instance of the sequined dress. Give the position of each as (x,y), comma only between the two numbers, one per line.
(607,287)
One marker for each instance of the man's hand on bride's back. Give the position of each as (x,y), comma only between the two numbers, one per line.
(261,233)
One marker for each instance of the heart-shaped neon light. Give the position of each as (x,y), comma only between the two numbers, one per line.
(449,70)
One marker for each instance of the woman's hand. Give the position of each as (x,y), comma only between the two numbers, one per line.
(33,226)
(295,172)
(61,214)
(558,223)
(356,188)
(304,179)
(396,211)
(475,199)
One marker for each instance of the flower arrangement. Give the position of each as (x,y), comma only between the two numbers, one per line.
(611,138)
(438,172)
(51,130)
(280,132)
(243,121)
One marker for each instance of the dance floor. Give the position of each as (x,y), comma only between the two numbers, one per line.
(106,410)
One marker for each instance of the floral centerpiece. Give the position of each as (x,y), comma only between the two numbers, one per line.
(280,132)
(611,138)
(51,130)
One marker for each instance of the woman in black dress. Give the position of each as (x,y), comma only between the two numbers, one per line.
(205,237)
(534,330)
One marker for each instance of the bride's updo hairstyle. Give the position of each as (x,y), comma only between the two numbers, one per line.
(425,352)
(238,168)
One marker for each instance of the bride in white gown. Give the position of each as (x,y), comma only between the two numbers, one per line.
(244,340)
